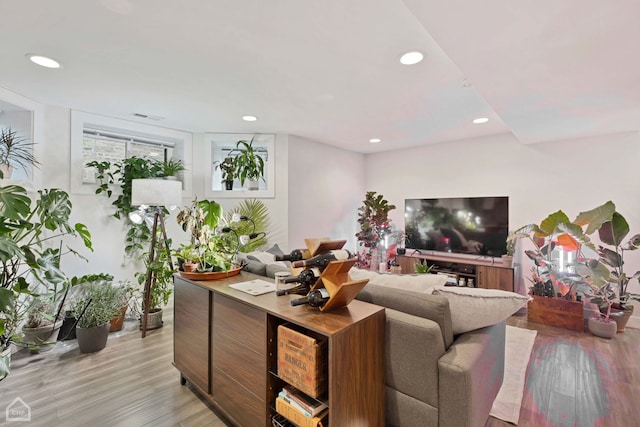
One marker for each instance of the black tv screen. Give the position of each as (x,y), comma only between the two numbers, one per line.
(466,225)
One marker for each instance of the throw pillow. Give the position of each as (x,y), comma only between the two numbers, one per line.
(475,308)
(410,282)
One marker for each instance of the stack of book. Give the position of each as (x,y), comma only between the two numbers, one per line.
(300,408)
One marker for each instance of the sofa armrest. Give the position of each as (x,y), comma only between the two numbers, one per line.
(470,376)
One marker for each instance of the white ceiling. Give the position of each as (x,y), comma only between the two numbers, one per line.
(328,70)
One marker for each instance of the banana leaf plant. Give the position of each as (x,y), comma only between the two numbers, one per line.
(33,236)
(597,271)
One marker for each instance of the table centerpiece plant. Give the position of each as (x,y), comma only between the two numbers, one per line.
(215,251)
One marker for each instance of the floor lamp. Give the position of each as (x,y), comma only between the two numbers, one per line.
(152,195)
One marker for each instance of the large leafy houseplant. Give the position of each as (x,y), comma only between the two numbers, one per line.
(596,272)
(32,236)
(373,217)
(216,251)
(248,163)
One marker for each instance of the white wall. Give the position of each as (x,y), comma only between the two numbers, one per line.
(573,176)
(95,211)
(326,187)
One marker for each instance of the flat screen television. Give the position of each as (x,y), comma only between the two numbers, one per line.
(466,225)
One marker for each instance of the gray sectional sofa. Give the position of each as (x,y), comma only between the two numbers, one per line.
(433,378)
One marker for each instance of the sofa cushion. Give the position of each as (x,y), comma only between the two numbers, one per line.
(410,282)
(255,267)
(474,308)
(432,307)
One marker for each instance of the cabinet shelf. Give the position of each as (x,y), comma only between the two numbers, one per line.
(235,365)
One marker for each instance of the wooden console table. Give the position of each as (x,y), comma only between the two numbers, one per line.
(485,274)
(225,346)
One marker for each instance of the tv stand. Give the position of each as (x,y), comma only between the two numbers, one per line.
(485,273)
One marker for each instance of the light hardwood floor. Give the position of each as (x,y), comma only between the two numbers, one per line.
(573,379)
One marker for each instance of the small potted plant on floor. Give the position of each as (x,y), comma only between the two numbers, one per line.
(99,300)
(40,331)
(161,276)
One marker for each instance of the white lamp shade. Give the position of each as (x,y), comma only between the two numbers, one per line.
(156,192)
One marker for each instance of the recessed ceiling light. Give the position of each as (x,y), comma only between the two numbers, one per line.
(43,61)
(249,118)
(480,120)
(374,140)
(411,58)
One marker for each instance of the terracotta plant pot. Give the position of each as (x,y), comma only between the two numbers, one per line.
(190,267)
(601,328)
(116,322)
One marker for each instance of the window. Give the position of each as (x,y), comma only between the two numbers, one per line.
(219,145)
(101,138)
(102,145)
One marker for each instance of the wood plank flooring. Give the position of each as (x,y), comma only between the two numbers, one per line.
(130,383)
(577,379)
(573,379)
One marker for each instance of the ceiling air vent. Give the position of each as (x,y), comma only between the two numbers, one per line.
(147,116)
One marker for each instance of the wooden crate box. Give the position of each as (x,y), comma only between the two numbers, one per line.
(302,361)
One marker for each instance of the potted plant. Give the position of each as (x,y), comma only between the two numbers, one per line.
(613,229)
(228,168)
(171,168)
(29,257)
(187,257)
(161,272)
(99,301)
(588,270)
(40,331)
(15,150)
(217,246)
(125,293)
(507,258)
(248,164)
(373,217)
(422,268)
